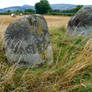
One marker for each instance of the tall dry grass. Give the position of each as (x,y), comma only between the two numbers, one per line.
(70,72)
(2,31)
(53,21)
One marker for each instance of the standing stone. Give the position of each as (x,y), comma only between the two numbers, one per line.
(27,41)
(81,23)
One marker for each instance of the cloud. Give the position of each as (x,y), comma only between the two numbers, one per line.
(8,3)
(83,2)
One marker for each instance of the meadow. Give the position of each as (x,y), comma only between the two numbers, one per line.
(70,72)
(55,21)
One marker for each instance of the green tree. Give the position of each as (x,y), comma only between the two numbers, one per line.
(42,7)
(18,11)
(30,10)
(78,7)
(9,11)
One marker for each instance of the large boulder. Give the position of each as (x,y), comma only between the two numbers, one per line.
(27,42)
(81,23)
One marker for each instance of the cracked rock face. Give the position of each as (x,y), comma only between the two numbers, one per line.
(27,42)
(81,23)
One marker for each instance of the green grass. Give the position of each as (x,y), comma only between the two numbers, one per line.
(70,72)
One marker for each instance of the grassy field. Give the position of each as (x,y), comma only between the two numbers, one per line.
(70,72)
(55,21)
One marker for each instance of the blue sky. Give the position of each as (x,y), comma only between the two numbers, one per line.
(8,3)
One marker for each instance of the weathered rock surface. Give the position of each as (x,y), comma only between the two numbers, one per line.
(81,23)
(27,41)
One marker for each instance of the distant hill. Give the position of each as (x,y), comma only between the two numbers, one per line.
(66,6)
(89,6)
(14,8)
(63,6)
(53,6)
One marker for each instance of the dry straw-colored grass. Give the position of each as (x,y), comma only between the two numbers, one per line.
(57,21)
(53,21)
(72,61)
(2,30)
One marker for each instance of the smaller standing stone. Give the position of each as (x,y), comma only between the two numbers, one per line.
(81,23)
(27,41)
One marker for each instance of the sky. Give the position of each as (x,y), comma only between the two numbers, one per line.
(8,3)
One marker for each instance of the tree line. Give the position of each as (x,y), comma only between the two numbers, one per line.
(43,7)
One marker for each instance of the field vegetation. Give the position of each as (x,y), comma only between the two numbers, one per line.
(70,72)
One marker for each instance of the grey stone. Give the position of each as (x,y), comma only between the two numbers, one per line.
(81,23)
(27,41)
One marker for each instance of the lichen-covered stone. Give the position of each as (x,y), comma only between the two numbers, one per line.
(27,41)
(81,23)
